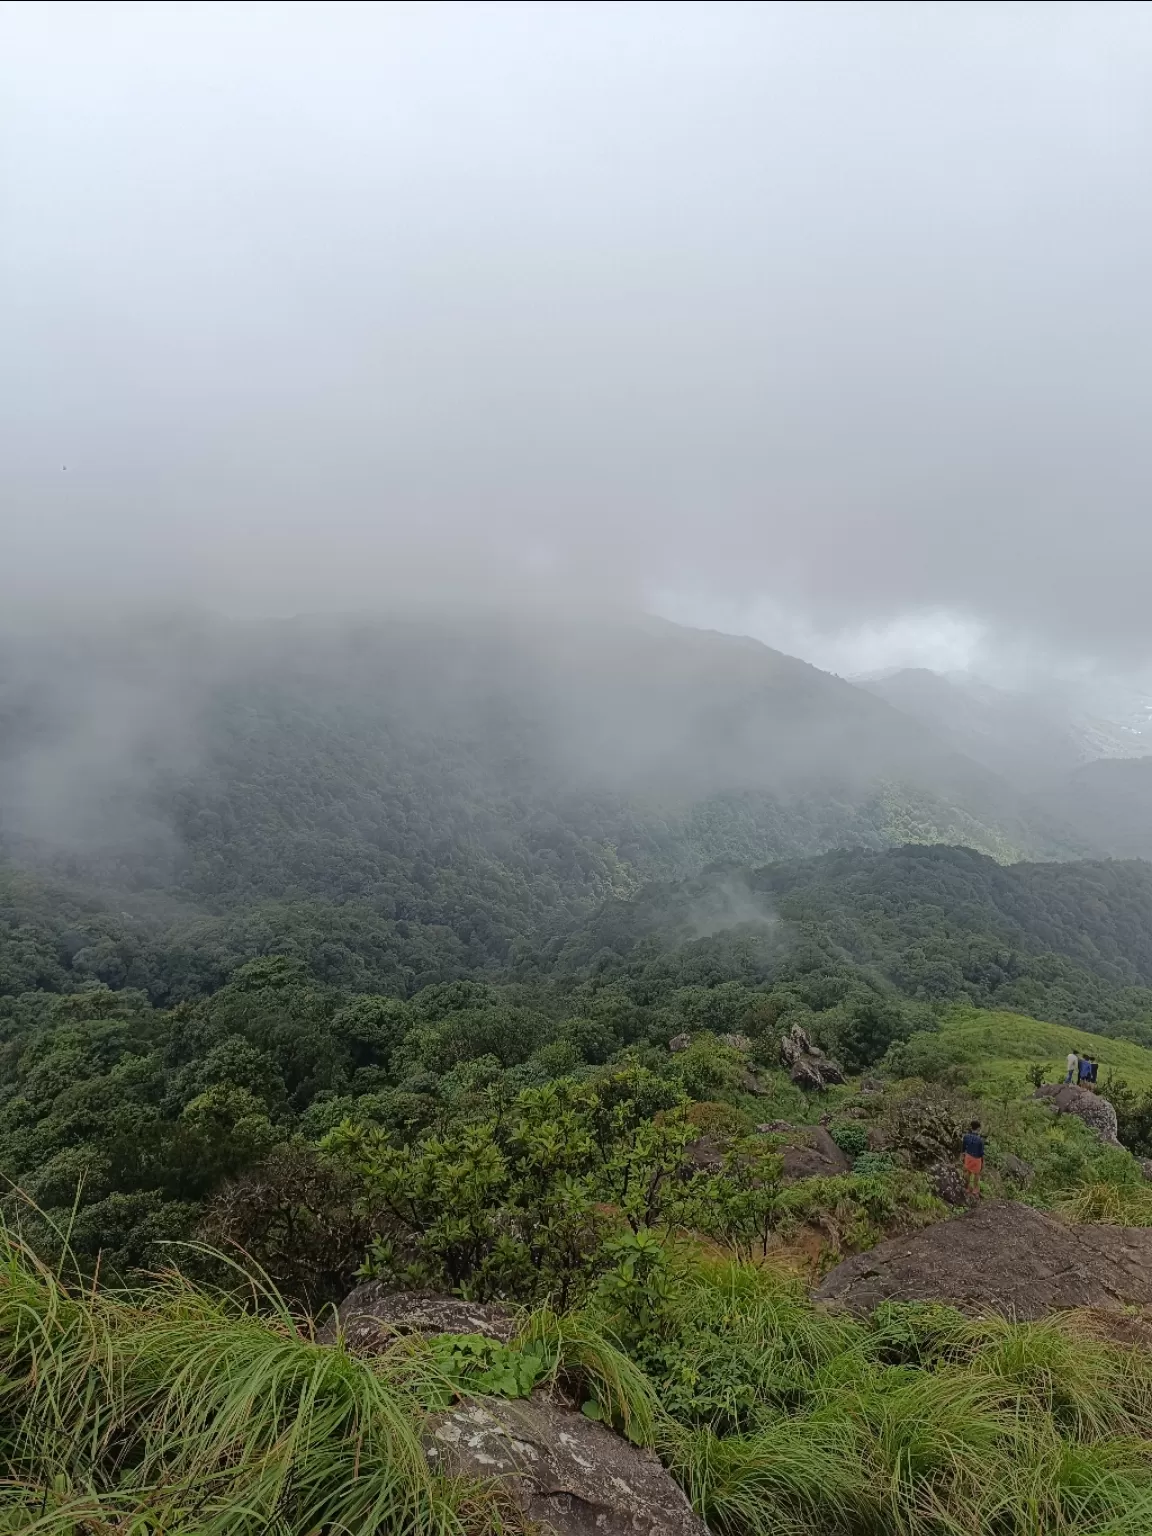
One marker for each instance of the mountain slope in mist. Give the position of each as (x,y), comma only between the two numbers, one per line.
(476,780)
(1029,739)
(1092,775)
(1069,941)
(1110,804)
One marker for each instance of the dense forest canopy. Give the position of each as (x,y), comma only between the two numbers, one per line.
(440,955)
(261,879)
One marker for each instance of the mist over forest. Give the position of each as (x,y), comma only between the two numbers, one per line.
(575,768)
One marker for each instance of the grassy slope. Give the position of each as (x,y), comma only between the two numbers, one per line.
(1001,1046)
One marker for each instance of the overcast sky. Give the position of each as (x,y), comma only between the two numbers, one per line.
(829,322)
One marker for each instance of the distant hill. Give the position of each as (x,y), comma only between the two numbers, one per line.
(1030,739)
(1070,942)
(427,794)
(1110,802)
(1092,775)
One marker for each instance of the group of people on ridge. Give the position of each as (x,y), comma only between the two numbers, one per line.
(1082,1070)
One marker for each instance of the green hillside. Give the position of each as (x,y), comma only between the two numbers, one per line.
(998,1050)
(412,801)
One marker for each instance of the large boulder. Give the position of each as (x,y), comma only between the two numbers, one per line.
(1097,1113)
(813,1154)
(1016,1169)
(704,1155)
(573,1476)
(737,1043)
(370,1318)
(807,1064)
(1001,1257)
(949,1184)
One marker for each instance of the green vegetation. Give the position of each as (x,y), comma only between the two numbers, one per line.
(998,1050)
(388,990)
(168,1408)
(152,1113)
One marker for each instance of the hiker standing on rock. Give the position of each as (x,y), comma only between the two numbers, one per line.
(1073,1065)
(973,1158)
(1085,1072)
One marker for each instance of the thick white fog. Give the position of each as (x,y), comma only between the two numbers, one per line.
(829,322)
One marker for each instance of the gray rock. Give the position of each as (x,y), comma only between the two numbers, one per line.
(813,1154)
(1097,1113)
(704,1155)
(1146,1168)
(1016,1168)
(795,1045)
(573,1476)
(806,1074)
(808,1065)
(774,1127)
(679,1043)
(1000,1257)
(948,1183)
(370,1317)
(737,1042)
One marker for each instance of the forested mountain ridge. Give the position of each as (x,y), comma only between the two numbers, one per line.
(421,796)
(1091,774)
(1110,801)
(1067,941)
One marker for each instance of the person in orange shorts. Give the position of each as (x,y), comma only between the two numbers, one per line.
(973,1157)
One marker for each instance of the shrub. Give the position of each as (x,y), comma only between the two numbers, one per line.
(850,1136)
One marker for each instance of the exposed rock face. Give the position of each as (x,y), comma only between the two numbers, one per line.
(1146,1168)
(1016,1169)
(679,1043)
(813,1155)
(1001,1257)
(808,1066)
(1097,1113)
(704,1155)
(370,1317)
(575,1477)
(948,1182)
(737,1042)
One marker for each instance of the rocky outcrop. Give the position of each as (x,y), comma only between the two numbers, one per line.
(807,1064)
(370,1318)
(704,1155)
(808,1150)
(573,1476)
(949,1185)
(813,1155)
(1096,1113)
(680,1043)
(1016,1169)
(737,1043)
(1001,1257)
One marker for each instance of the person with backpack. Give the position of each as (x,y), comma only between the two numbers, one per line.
(973,1158)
